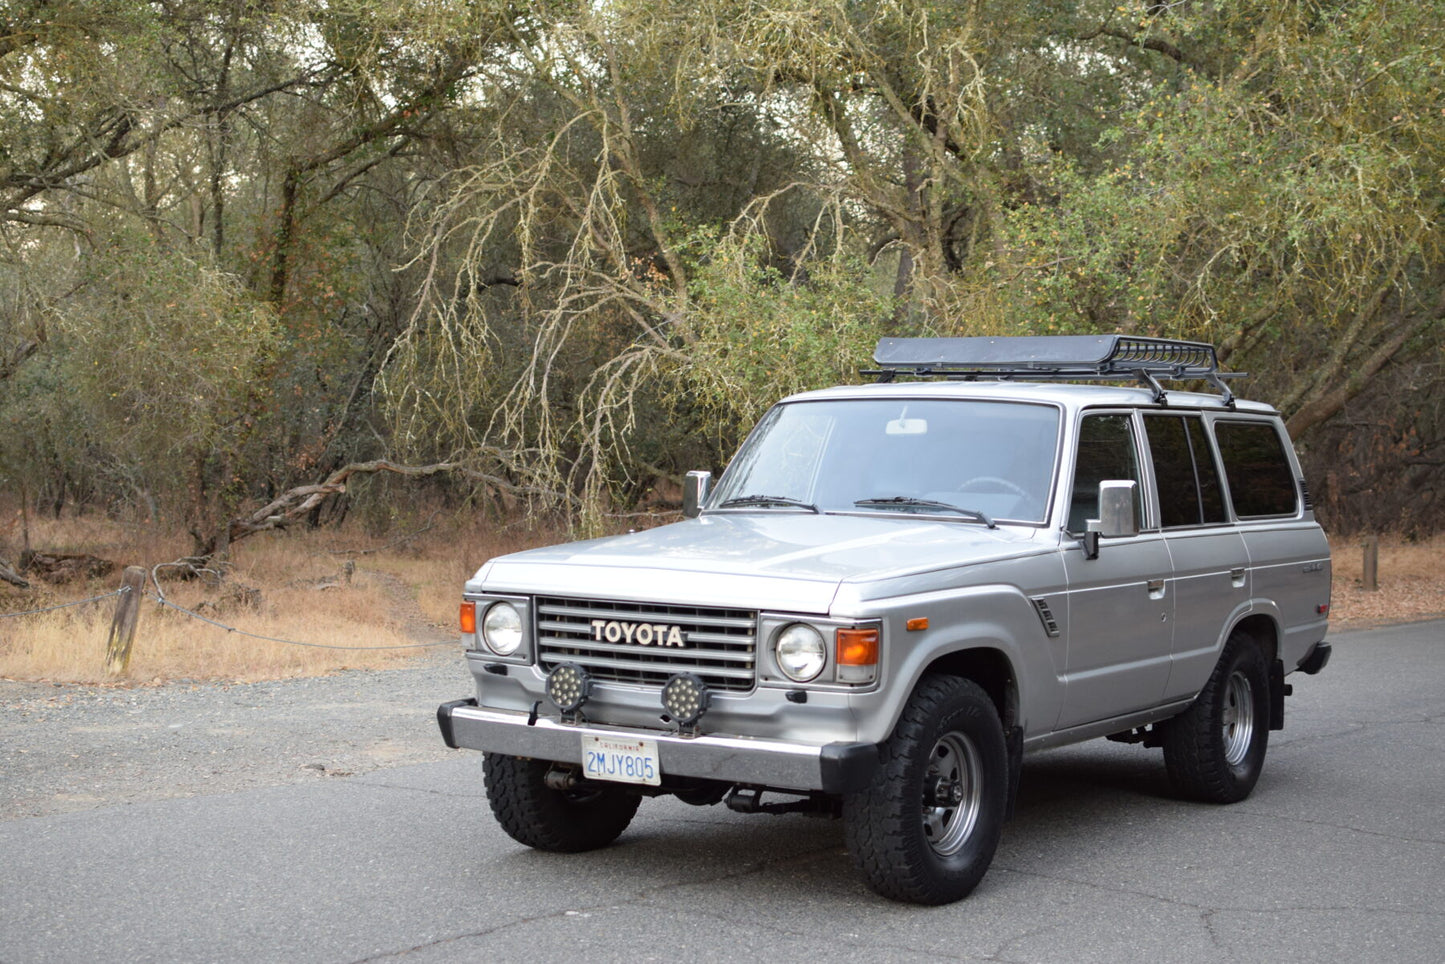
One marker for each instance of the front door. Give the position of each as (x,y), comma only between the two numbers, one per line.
(1121,606)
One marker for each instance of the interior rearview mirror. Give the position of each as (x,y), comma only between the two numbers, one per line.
(907,426)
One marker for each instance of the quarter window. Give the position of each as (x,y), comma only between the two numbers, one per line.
(1184,470)
(1257,469)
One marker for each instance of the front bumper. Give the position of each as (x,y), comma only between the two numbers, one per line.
(779,764)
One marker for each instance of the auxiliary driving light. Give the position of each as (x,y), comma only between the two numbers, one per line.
(568,685)
(684,698)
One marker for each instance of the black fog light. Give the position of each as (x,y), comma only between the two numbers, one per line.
(568,685)
(684,698)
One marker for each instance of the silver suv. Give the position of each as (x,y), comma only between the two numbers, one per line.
(896,590)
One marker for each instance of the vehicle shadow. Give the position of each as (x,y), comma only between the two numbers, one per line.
(1066,797)
(1089,772)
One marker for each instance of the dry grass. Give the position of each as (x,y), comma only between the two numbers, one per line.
(402,591)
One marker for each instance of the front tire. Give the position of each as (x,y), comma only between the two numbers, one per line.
(926,828)
(1214,751)
(562,821)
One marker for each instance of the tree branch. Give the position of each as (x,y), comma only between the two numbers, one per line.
(1323,406)
(296,502)
(1133,40)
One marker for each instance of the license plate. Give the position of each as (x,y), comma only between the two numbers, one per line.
(620,760)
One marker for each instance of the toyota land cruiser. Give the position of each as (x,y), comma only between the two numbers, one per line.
(897,590)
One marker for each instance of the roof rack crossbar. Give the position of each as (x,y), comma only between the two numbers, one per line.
(1054,358)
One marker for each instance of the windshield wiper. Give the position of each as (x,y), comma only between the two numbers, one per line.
(743,500)
(909,502)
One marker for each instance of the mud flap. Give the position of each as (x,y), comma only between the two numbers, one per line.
(1278,690)
(1014,744)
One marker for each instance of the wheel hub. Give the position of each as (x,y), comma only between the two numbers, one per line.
(952,793)
(1237,718)
(946,792)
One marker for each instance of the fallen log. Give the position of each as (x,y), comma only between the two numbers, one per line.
(297,502)
(64,567)
(9,575)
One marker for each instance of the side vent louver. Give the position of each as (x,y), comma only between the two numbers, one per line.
(1051,625)
(1304,490)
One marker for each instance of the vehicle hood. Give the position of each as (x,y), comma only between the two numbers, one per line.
(769,559)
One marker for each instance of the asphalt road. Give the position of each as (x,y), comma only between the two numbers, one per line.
(1338,856)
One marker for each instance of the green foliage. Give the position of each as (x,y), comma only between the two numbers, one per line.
(154,384)
(1289,212)
(579,247)
(754,335)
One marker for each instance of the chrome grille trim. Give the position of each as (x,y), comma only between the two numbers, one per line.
(721,643)
(747,621)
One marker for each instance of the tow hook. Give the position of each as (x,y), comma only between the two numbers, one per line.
(750,800)
(561,779)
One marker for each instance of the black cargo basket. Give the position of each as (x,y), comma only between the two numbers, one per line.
(1054,358)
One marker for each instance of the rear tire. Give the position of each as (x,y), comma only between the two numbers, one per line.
(562,821)
(926,828)
(1214,751)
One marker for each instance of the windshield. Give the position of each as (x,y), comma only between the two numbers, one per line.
(957,457)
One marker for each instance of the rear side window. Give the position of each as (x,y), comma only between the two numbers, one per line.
(1257,469)
(1189,490)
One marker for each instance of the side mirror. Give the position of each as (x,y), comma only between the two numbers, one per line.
(695,488)
(1116,515)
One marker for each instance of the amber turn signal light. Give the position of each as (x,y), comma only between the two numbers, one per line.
(857,647)
(857,655)
(469,617)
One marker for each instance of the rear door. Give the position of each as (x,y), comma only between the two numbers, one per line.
(1210,583)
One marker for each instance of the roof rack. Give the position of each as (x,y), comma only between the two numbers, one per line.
(1054,358)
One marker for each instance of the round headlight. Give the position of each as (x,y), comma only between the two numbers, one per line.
(801,652)
(502,628)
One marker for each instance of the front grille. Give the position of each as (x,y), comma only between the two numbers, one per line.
(720,645)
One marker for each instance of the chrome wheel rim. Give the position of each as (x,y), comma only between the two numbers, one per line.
(952,793)
(1238,718)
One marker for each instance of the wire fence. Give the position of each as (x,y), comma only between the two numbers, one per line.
(163,601)
(70,605)
(289,642)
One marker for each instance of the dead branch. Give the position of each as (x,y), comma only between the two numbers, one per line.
(11,576)
(63,567)
(12,360)
(297,502)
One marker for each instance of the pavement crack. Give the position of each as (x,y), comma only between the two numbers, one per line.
(640,897)
(365,780)
(1359,908)
(1295,820)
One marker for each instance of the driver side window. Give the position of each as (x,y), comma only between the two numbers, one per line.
(1107,452)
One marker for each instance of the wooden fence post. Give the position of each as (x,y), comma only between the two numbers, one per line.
(122,626)
(1372,563)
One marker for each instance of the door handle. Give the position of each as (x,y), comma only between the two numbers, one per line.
(1156,588)
(1236,576)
